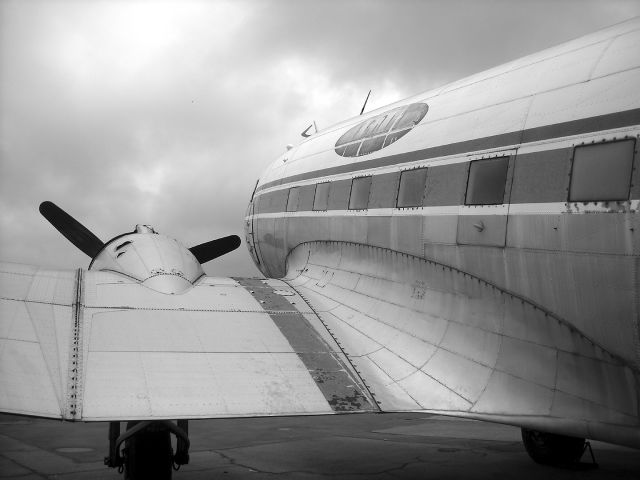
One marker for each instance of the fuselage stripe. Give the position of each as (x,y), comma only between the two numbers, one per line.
(546,132)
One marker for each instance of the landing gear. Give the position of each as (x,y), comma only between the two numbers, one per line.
(147,452)
(553,449)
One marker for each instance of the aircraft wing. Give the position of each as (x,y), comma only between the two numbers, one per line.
(428,337)
(95,346)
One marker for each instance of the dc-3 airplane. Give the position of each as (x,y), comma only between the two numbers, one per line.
(471,251)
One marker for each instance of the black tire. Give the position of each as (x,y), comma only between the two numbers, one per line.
(552,449)
(148,455)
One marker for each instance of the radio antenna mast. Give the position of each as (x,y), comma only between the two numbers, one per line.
(365,102)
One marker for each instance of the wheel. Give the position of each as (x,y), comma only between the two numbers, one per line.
(552,449)
(148,454)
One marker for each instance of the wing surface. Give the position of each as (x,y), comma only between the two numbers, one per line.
(427,337)
(94,346)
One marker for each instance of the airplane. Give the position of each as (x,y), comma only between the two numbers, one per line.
(471,251)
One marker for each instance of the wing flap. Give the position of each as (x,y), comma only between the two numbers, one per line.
(36,317)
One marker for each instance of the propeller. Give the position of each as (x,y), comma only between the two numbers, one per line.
(72,229)
(86,241)
(215,248)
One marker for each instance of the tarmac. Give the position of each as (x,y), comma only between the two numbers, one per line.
(364,446)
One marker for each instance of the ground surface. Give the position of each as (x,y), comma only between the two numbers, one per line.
(389,446)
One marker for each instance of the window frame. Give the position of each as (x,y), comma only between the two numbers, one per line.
(506,159)
(315,196)
(585,146)
(353,181)
(424,186)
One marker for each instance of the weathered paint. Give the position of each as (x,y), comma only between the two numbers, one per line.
(526,311)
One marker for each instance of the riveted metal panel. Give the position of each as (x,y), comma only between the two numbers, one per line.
(406,234)
(480,349)
(38,308)
(602,171)
(292,199)
(305,199)
(446,184)
(349,229)
(378,231)
(487,181)
(272,202)
(541,176)
(322,357)
(321,198)
(535,231)
(440,228)
(482,228)
(384,189)
(339,194)
(267,244)
(360,191)
(635,175)
(412,188)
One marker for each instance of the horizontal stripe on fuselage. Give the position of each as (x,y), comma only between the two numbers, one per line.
(547,132)
(552,208)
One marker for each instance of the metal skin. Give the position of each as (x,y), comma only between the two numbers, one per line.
(157,261)
(525,311)
(398,291)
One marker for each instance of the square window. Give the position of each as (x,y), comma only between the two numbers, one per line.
(359,199)
(602,172)
(321,200)
(487,180)
(412,183)
(292,202)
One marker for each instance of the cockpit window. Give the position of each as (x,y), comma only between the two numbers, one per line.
(380,131)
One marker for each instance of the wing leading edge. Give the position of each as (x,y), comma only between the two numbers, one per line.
(85,345)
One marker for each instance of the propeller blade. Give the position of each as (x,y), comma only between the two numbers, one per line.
(73,230)
(215,248)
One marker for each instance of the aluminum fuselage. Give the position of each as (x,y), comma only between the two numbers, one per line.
(573,255)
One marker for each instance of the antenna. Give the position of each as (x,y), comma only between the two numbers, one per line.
(365,102)
(305,134)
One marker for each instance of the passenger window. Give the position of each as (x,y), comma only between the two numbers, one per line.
(602,172)
(487,180)
(321,200)
(292,202)
(412,183)
(359,199)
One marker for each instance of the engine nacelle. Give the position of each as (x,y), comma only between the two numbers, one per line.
(157,261)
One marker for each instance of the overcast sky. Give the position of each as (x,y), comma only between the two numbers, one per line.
(166,113)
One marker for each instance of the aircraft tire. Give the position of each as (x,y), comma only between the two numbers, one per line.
(149,455)
(552,449)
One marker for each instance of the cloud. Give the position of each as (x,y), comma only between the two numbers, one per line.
(167,112)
